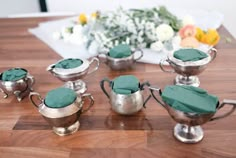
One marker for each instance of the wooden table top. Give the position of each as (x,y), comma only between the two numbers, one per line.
(103,133)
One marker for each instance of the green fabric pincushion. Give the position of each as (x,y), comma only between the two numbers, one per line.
(69,63)
(189,99)
(60,97)
(13,74)
(120,51)
(126,84)
(189,55)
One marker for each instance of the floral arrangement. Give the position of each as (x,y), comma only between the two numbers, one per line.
(154,28)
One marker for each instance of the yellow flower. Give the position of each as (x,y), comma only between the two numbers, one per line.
(211,37)
(94,15)
(82,19)
(199,34)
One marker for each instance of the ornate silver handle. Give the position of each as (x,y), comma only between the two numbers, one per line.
(87,95)
(50,67)
(31,95)
(152,89)
(141,53)
(225,102)
(162,67)
(213,53)
(103,88)
(5,94)
(142,88)
(94,59)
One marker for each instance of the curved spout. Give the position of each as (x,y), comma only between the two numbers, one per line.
(50,67)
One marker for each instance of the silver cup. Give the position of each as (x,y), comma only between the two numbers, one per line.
(20,88)
(188,129)
(187,71)
(73,76)
(65,121)
(125,104)
(121,63)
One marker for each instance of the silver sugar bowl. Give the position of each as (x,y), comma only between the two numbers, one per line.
(188,129)
(125,104)
(187,71)
(73,76)
(65,121)
(121,63)
(20,88)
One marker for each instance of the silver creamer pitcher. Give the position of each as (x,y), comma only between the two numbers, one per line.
(73,76)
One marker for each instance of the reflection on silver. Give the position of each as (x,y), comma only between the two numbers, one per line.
(122,63)
(20,88)
(63,120)
(187,71)
(188,129)
(73,76)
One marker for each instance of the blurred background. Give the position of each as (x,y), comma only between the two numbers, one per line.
(27,8)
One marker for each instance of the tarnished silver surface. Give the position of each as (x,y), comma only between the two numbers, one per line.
(188,69)
(63,120)
(125,104)
(122,63)
(19,88)
(191,121)
(74,75)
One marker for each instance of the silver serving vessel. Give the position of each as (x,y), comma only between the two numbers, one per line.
(125,104)
(188,129)
(73,76)
(63,120)
(187,71)
(121,63)
(20,88)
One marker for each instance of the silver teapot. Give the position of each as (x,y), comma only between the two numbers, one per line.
(125,104)
(20,88)
(188,129)
(187,71)
(73,76)
(121,63)
(65,121)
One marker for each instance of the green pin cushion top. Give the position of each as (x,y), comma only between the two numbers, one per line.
(189,55)
(13,74)
(125,84)
(120,51)
(60,97)
(189,99)
(69,63)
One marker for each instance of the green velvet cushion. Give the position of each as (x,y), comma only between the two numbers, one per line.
(69,63)
(13,74)
(189,55)
(189,99)
(60,97)
(126,84)
(120,51)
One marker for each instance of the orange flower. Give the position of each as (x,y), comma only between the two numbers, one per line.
(187,31)
(82,19)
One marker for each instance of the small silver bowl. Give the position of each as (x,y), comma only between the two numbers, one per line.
(188,129)
(20,88)
(65,121)
(73,76)
(187,71)
(121,63)
(125,104)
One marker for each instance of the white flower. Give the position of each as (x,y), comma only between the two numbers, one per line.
(157,46)
(188,20)
(78,29)
(164,32)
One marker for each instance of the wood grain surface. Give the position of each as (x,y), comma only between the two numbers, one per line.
(103,133)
